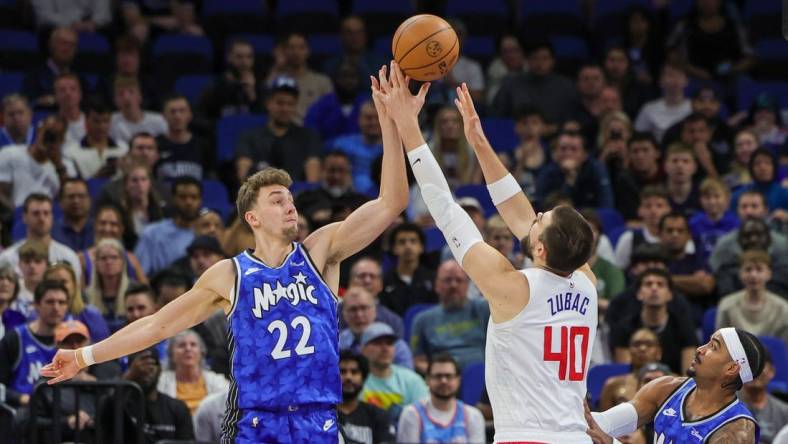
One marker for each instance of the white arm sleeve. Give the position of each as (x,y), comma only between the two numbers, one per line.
(617,421)
(457,227)
(408,429)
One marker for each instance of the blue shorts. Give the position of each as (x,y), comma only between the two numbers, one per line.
(292,426)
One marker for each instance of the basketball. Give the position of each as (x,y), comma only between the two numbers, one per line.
(425,47)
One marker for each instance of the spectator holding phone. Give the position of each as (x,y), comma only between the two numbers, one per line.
(96,155)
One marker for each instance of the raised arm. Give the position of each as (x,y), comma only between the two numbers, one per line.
(516,211)
(505,288)
(210,292)
(341,240)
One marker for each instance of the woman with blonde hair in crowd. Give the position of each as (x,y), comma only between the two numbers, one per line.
(110,224)
(188,377)
(78,310)
(452,150)
(9,290)
(108,282)
(744,145)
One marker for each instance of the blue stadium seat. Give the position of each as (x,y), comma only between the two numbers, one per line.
(10,82)
(777,349)
(298,187)
(168,44)
(13,40)
(487,17)
(614,234)
(309,15)
(233,7)
(747,91)
(262,43)
(41,115)
(680,9)
(754,8)
(530,8)
(95,185)
(570,47)
(215,196)
(93,42)
(772,57)
(366,7)
(192,86)
(500,132)
(609,16)
(382,44)
(435,239)
(472,383)
(230,128)
(481,194)
(324,45)
(709,323)
(481,48)
(598,374)
(410,315)
(292,7)
(610,218)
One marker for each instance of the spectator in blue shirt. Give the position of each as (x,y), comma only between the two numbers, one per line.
(575,174)
(716,219)
(363,148)
(75,230)
(164,242)
(336,113)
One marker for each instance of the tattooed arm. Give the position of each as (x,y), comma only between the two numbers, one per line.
(741,431)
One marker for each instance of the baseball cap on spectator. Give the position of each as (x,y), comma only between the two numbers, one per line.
(377,330)
(284,84)
(34,249)
(68,328)
(207,243)
(469,202)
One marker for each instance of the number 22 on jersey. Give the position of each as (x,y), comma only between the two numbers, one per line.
(568,355)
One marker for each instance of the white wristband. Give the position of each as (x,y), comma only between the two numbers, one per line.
(87,355)
(503,189)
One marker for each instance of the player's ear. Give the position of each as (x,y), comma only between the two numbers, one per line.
(251,219)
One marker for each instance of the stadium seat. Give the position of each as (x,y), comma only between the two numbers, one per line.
(614,234)
(382,44)
(500,133)
(543,18)
(480,193)
(262,44)
(680,9)
(435,239)
(410,315)
(747,91)
(380,17)
(480,48)
(230,128)
(18,50)
(777,349)
(487,18)
(323,47)
(772,57)
(610,218)
(223,17)
(10,82)
(309,16)
(192,86)
(472,383)
(598,374)
(609,16)
(298,187)
(759,18)
(176,55)
(570,52)
(233,7)
(215,196)
(709,323)
(95,185)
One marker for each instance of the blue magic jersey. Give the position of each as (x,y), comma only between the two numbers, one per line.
(670,427)
(283,335)
(32,356)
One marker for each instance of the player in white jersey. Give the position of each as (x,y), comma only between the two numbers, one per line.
(544,319)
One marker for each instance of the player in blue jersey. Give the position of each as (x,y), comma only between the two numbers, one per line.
(280,303)
(703,408)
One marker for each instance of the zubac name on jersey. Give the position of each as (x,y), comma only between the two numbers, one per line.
(568,301)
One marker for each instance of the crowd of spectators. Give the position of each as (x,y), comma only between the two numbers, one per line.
(109,205)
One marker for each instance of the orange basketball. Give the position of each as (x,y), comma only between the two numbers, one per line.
(426,47)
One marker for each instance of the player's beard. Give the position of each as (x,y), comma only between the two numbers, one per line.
(291,233)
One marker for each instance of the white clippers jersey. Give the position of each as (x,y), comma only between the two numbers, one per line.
(537,362)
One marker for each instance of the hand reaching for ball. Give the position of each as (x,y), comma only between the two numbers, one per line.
(471,122)
(401,105)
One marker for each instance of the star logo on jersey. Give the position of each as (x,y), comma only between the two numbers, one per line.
(297,291)
(251,270)
(669,412)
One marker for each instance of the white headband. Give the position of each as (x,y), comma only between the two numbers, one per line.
(736,351)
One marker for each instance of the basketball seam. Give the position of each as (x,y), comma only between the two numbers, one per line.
(436,61)
(419,43)
(399,36)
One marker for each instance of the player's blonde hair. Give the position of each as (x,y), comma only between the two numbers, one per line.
(247,195)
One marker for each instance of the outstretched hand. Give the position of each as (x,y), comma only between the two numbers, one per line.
(63,367)
(594,431)
(381,86)
(400,103)
(472,124)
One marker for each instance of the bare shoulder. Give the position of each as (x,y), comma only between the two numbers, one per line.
(586,270)
(660,389)
(741,431)
(218,279)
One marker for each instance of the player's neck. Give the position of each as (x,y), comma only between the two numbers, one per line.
(707,399)
(444,405)
(272,251)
